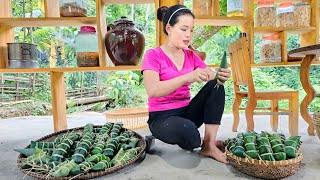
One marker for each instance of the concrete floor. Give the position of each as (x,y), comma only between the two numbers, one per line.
(164,162)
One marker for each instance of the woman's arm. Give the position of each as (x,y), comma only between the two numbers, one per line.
(157,88)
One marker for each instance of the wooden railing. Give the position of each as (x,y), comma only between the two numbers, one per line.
(16,88)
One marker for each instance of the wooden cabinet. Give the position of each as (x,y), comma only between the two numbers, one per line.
(309,36)
(52,18)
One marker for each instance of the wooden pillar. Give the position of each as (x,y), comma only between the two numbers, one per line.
(51,8)
(101,32)
(1,81)
(161,37)
(5,8)
(6,33)
(82,88)
(284,53)
(17,88)
(33,81)
(58,101)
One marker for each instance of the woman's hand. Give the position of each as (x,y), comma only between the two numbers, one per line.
(223,75)
(212,73)
(198,75)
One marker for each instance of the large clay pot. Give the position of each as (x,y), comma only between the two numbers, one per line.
(124,43)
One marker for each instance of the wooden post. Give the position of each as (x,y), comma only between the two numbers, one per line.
(58,101)
(67,80)
(283,38)
(6,32)
(51,8)
(17,88)
(101,32)
(159,29)
(97,82)
(202,8)
(82,90)
(2,82)
(5,9)
(34,75)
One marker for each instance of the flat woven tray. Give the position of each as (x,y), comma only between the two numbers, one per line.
(265,169)
(132,118)
(89,175)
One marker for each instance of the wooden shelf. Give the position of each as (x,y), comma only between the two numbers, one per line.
(73,69)
(294,63)
(53,21)
(220,21)
(128,2)
(131,68)
(280,1)
(289,30)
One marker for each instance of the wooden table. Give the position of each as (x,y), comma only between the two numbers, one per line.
(308,53)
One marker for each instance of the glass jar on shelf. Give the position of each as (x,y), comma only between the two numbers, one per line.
(73,8)
(265,14)
(235,8)
(270,50)
(202,7)
(302,14)
(285,14)
(87,47)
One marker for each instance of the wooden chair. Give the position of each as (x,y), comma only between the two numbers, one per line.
(242,76)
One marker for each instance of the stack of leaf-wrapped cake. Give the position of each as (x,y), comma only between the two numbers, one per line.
(264,155)
(264,146)
(80,152)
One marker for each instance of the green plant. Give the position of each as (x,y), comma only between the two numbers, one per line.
(121,87)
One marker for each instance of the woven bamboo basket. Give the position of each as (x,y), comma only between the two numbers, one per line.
(132,118)
(265,169)
(316,122)
(50,137)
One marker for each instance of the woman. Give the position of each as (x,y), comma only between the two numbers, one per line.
(168,71)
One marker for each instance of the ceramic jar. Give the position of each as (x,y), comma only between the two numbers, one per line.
(124,42)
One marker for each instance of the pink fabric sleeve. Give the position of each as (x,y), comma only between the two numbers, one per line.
(198,63)
(151,61)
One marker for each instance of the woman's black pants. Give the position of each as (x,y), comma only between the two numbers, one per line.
(180,126)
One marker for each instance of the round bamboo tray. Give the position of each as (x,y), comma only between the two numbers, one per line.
(132,118)
(316,122)
(89,175)
(265,169)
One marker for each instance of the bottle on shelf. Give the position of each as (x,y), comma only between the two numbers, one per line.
(302,14)
(235,8)
(87,47)
(73,8)
(285,14)
(270,50)
(265,14)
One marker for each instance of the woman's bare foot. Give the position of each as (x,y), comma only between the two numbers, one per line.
(210,150)
(220,144)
